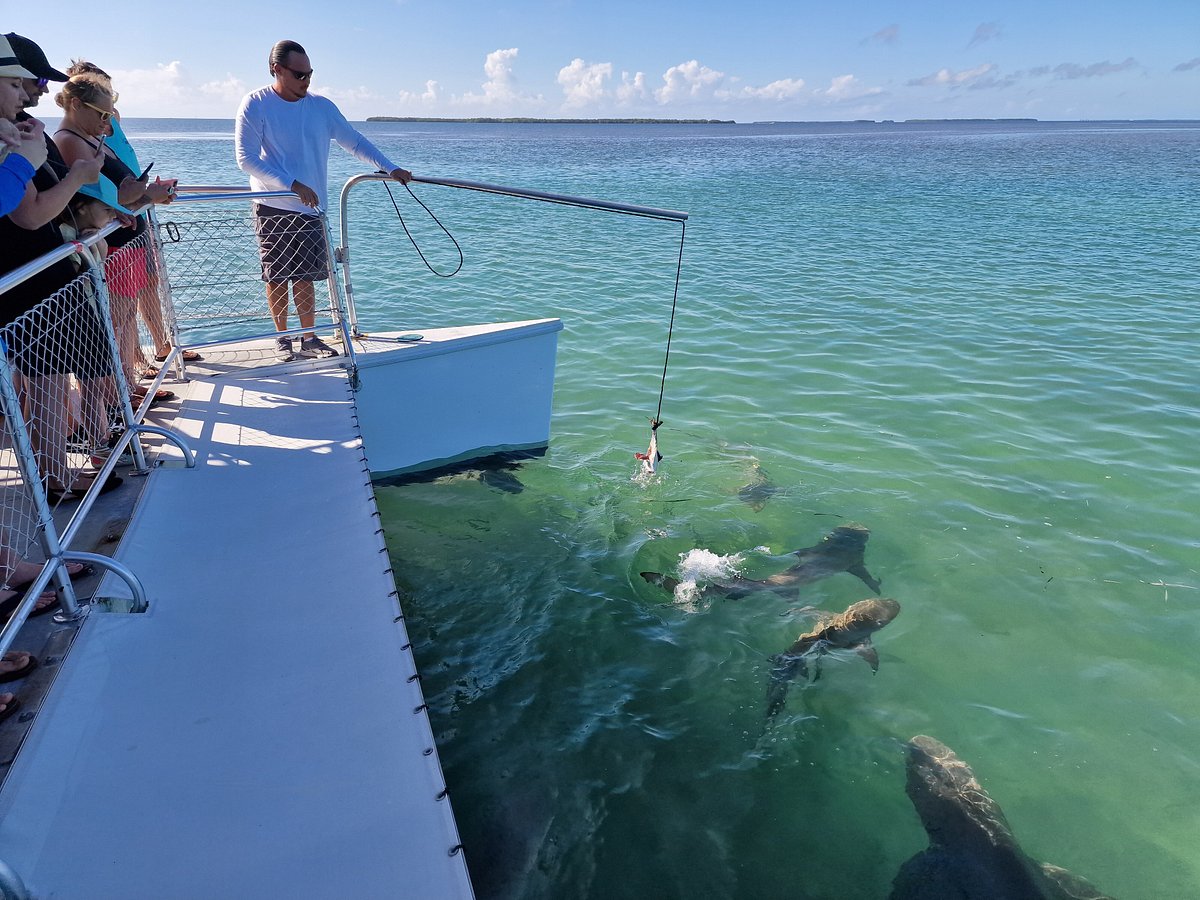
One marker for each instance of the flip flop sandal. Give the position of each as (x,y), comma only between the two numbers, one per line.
(111,483)
(9,606)
(18,674)
(188,356)
(81,570)
(162,395)
(11,707)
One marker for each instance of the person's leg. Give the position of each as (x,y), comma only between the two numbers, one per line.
(306,308)
(305,295)
(277,303)
(151,311)
(46,420)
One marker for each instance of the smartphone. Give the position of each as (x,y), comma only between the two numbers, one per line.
(145,172)
(100,143)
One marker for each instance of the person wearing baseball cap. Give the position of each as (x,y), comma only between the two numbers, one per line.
(16,167)
(33,59)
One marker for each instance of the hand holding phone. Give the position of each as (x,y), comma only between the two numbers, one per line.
(146,172)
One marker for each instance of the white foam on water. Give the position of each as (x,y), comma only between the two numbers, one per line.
(700,567)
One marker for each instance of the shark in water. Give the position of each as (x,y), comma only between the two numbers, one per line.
(759,489)
(972,853)
(839,551)
(849,630)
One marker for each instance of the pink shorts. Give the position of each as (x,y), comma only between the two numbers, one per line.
(127,271)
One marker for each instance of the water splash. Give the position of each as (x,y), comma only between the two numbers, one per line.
(700,567)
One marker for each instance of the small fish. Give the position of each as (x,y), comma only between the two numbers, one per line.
(651,457)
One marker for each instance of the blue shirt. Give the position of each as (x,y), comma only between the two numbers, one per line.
(15,173)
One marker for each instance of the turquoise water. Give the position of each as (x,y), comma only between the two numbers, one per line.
(980,342)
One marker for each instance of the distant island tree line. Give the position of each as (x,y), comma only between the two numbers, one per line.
(526,120)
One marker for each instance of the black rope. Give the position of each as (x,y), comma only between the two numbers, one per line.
(404,225)
(670,329)
(657,420)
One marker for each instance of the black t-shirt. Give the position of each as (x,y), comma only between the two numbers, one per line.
(19,246)
(115,171)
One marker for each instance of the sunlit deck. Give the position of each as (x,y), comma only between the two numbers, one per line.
(259,731)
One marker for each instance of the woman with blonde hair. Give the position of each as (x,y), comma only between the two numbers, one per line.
(87,104)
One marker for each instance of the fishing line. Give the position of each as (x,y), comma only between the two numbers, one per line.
(404,225)
(671,326)
(652,455)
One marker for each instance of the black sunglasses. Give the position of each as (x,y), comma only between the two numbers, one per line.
(43,83)
(299,76)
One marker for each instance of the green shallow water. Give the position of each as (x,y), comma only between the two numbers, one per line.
(979,342)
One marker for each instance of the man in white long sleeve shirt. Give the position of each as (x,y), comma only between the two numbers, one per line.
(282,141)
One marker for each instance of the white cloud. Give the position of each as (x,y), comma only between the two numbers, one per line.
(632,90)
(160,91)
(230,90)
(500,89)
(783,89)
(583,83)
(170,89)
(352,101)
(688,81)
(429,97)
(846,88)
(947,78)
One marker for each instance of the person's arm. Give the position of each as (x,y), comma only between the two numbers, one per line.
(15,174)
(357,145)
(39,207)
(26,138)
(248,148)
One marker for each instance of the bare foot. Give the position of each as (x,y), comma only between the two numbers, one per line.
(14,660)
(24,572)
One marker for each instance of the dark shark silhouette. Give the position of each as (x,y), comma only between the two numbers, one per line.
(849,630)
(759,489)
(972,852)
(839,551)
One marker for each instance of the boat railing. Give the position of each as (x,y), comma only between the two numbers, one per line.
(216,293)
(72,359)
(342,253)
(66,373)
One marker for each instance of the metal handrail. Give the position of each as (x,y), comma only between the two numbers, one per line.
(343,251)
(56,544)
(632,209)
(46,260)
(221,193)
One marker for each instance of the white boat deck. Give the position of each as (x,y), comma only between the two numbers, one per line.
(255,733)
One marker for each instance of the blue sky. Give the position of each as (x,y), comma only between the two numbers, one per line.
(749,61)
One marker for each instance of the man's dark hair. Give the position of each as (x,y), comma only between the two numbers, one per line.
(279,54)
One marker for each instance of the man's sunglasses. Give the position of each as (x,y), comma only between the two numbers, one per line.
(299,76)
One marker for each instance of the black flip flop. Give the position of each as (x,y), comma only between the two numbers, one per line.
(84,572)
(18,674)
(9,708)
(9,606)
